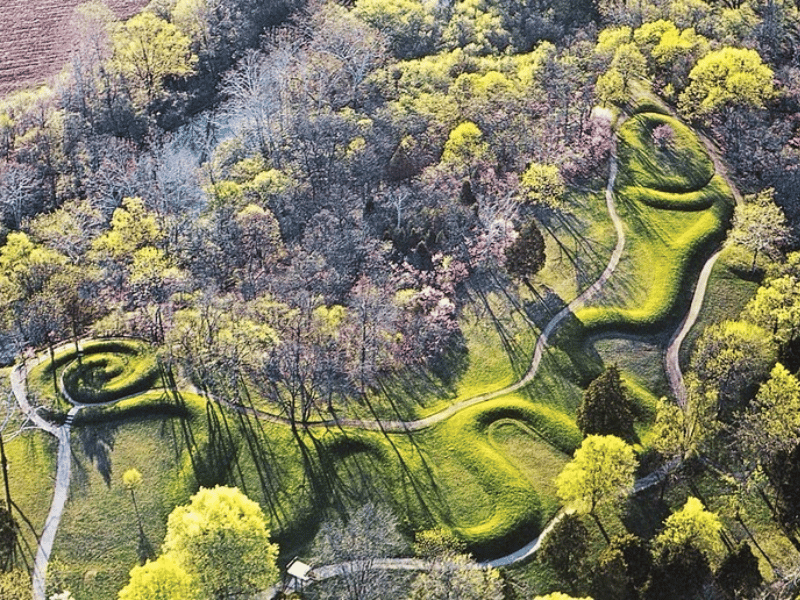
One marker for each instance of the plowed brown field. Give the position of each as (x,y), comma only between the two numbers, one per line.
(35,38)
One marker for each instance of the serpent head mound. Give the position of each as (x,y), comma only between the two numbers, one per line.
(659,153)
(109,371)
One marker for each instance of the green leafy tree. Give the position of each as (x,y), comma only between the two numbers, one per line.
(738,574)
(772,423)
(541,184)
(565,549)
(678,573)
(147,50)
(410,25)
(221,540)
(434,543)
(162,579)
(692,525)
(600,474)
(606,408)
(132,227)
(611,88)
(776,308)
(726,78)
(465,147)
(132,479)
(525,256)
(621,569)
(730,359)
(759,225)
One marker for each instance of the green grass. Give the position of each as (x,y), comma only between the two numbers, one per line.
(675,210)
(105,376)
(727,294)
(682,166)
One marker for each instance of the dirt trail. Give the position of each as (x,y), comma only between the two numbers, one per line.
(63,473)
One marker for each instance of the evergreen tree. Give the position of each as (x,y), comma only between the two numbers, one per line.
(606,408)
(738,575)
(525,256)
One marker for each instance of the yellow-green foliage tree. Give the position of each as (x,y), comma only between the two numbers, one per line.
(146,50)
(692,525)
(132,227)
(600,474)
(162,579)
(221,540)
(725,78)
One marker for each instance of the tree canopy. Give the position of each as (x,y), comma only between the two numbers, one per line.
(221,540)
(606,408)
(601,473)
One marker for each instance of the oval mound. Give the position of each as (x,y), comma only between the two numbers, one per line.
(108,372)
(661,153)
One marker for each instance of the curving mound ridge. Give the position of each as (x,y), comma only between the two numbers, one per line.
(676,209)
(662,154)
(109,371)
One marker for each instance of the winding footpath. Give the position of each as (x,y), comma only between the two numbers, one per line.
(62,433)
(63,474)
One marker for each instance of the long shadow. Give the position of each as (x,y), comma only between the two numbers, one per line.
(409,473)
(97,443)
(516,354)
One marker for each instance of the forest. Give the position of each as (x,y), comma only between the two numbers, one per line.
(423,279)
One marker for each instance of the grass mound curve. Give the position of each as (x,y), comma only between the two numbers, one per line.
(675,210)
(110,371)
(660,153)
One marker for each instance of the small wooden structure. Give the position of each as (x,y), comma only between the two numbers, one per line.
(298,574)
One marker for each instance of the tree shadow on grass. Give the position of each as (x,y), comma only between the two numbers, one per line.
(97,443)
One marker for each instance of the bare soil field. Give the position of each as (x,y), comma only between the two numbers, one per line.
(35,38)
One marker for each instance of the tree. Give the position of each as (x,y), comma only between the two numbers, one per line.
(730,359)
(221,540)
(760,226)
(525,256)
(726,78)
(162,579)
(772,422)
(693,525)
(559,596)
(147,50)
(132,228)
(369,533)
(606,408)
(678,573)
(132,479)
(565,549)
(622,569)
(542,184)
(600,474)
(776,308)
(465,147)
(457,578)
(738,574)
(409,25)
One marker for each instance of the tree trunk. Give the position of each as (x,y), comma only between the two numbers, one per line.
(600,527)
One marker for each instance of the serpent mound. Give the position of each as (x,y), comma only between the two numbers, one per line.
(109,371)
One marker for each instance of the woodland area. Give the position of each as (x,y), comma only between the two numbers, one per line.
(309,211)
